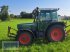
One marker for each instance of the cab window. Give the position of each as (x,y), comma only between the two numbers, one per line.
(54,15)
(44,16)
(47,16)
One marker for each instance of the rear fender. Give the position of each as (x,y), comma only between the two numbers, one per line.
(54,23)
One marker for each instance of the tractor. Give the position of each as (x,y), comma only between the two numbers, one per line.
(46,25)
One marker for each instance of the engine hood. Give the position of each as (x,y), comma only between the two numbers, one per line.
(26,26)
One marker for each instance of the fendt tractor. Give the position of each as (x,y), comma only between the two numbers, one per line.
(46,25)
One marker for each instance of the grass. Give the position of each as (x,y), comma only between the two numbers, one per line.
(35,47)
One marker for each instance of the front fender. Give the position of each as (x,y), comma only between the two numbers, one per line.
(27,30)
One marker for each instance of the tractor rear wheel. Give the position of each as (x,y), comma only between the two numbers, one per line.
(25,38)
(56,33)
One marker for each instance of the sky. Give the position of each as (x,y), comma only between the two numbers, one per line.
(16,6)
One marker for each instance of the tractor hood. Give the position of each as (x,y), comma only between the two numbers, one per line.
(26,26)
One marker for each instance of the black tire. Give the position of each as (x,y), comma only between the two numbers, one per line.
(24,38)
(57,35)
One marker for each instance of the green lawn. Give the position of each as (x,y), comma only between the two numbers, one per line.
(35,47)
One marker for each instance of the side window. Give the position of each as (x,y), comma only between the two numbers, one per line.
(42,16)
(54,14)
(47,16)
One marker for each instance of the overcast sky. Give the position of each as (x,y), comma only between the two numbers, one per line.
(16,6)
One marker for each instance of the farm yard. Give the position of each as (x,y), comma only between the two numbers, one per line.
(35,47)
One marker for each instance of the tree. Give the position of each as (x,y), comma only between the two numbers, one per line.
(0,15)
(4,13)
(25,15)
(22,14)
(12,15)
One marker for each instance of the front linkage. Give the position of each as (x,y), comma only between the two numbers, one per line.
(13,35)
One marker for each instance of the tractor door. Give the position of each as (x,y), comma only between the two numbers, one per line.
(44,19)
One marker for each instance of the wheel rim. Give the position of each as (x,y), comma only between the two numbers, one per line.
(56,34)
(24,39)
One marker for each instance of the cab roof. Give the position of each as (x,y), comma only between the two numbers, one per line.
(48,9)
(36,10)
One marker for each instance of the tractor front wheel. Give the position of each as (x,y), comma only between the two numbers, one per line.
(25,38)
(56,33)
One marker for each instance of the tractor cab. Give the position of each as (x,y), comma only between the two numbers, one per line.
(45,14)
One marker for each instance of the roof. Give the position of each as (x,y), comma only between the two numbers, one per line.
(48,9)
(45,9)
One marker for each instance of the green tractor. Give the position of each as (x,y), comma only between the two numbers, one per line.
(46,25)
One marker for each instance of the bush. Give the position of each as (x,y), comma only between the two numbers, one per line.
(5,17)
